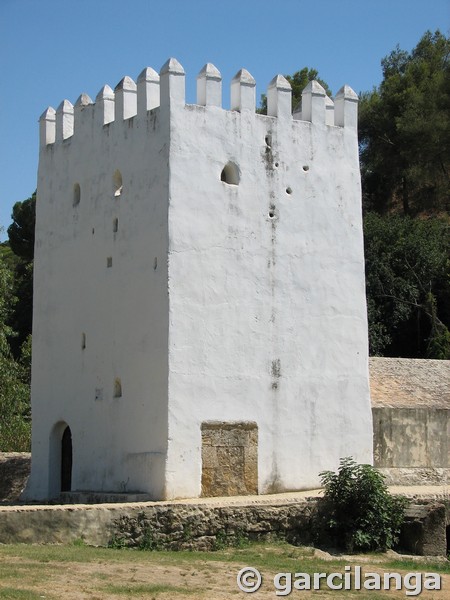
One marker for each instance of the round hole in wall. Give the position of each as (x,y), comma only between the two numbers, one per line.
(289,190)
(305,168)
(277,164)
(271,213)
(230,173)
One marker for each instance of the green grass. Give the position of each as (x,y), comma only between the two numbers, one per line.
(274,556)
(156,588)
(414,567)
(16,594)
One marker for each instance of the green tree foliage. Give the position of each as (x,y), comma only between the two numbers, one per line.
(21,243)
(299,80)
(357,511)
(408,285)
(21,230)
(16,305)
(15,426)
(404,129)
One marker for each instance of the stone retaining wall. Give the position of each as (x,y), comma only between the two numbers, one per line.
(199,526)
(424,529)
(179,526)
(14,471)
(206,528)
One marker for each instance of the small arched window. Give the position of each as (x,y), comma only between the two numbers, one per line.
(117,183)
(117,388)
(76,194)
(66,460)
(230,174)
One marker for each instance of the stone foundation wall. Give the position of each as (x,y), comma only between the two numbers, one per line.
(424,529)
(199,526)
(203,528)
(172,526)
(14,472)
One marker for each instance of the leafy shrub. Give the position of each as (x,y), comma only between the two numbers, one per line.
(357,511)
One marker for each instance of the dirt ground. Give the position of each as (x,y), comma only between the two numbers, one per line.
(101,574)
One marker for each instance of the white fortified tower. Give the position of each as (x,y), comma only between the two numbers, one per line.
(199,316)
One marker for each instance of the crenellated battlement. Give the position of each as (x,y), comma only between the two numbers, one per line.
(130,99)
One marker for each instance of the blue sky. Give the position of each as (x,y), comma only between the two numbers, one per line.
(52,49)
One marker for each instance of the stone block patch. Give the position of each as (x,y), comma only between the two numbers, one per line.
(229,458)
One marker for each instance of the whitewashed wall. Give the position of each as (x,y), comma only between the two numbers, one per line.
(267,314)
(223,302)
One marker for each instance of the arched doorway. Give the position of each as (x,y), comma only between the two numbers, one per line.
(66,460)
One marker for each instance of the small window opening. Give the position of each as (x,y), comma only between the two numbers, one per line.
(83,341)
(117,388)
(109,262)
(116,225)
(230,174)
(117,183)
(76,194)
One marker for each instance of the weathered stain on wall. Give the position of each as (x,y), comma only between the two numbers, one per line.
(411,437)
